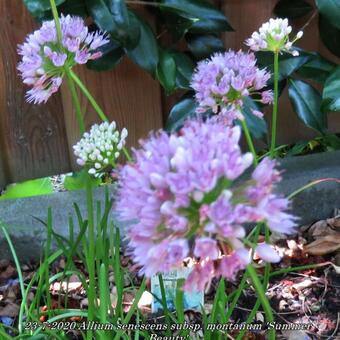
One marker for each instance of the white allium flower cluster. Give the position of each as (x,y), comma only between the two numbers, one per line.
(274,36)
(100,147)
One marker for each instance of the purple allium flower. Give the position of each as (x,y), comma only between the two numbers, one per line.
(222,82)
(44,58)
(231,264)
(274,36)
(267,253)
(182,191)
(205,247)
(201,274)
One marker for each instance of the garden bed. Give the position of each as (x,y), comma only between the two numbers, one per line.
(308,297)
(29,233)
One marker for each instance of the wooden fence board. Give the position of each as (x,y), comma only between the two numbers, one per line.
(127,94)
(37,141)
(247,16)
(33,141)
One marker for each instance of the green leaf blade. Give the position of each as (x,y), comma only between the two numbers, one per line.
(331,10)
(292,9)
(307,103)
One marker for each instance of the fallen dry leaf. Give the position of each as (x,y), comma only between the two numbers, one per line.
(324,245)
(10,309)
(334,222)
(8,273)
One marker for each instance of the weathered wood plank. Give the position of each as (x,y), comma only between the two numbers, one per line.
(127,94)
(33,141)
(246,16)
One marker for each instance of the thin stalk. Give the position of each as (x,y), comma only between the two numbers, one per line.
(242,284)
(70,83)
(249,140)
(276,273)
(311,184)
(18,268)
(298,268)
(275,104)
(237,296)
(267,266)
(126,153)
(89,96)
(75,100)
(249,319)
(91,256)
(56,20)
(263,299)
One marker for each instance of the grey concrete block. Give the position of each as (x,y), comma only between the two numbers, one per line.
(319,201)
(21,218)
(28,234)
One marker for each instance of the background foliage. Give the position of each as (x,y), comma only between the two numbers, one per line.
(186,31)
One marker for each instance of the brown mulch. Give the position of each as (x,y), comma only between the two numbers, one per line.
(309,296)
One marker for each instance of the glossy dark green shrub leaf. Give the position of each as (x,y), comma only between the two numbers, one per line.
(184,69)
(37,7)
(183,110)
(257,126)
(35,187)
(330,9)
(119,12)
(166,70)
(210,18)
(330,35)
(177,25)
(78,180)
(287,63)
(101,15)
(202,46)
(145,54)
(332,142)
(292,9)
(307,101)
(74,8)
(67,7)
(331,92)
(127,27)
(112,55)
(318,68)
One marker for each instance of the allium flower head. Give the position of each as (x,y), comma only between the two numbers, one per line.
(44,59)
(100,147)
(222,82)
(274,36)
(182,191)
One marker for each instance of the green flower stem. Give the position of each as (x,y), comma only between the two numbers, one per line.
(267,267)
(275,104)
(263,299)
(126,153)
(298,268)
(89,96)
(249,319)
(75,100)
(70,83)
(249,140)
(91,257)
(256,232)
(56,20)
(311,184)
(237,296)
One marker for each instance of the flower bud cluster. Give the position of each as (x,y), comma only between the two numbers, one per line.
(274,36)
(100,147)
